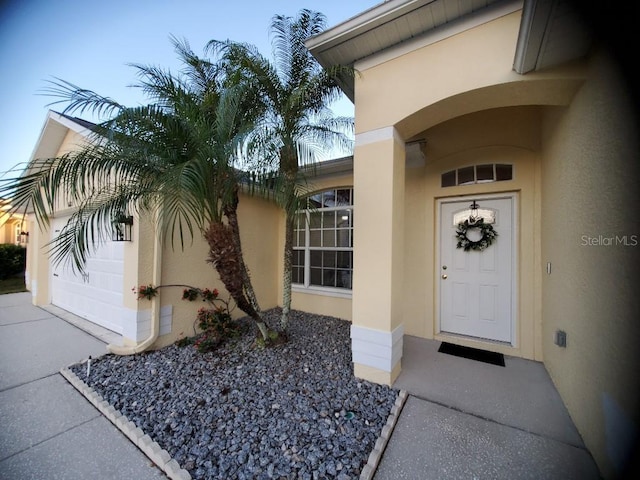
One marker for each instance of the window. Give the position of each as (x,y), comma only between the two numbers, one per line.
(477,174)
(323,241)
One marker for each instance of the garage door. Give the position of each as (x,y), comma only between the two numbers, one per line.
(96,295)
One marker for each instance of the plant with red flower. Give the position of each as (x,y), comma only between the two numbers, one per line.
(146,291)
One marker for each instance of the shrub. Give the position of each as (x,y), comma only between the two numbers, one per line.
(185,341)
(217,326)
(216,323)
(13,259)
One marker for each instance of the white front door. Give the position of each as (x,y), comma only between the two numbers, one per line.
(477,287)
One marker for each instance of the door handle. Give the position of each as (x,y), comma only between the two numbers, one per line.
(444,276)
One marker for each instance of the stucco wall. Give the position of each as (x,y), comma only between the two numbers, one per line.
(437,71)
(260,243)
(591,238)
(456,90)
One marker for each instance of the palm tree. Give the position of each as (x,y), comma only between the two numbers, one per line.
(172,159)
(298,126)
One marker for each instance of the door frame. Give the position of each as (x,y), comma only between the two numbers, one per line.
(515,264)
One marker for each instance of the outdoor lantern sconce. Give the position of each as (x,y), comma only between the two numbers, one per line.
(122,228)
(24,237)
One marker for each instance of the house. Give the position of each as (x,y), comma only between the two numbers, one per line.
(518,113)
(509,111)
(12,226)
(104,294)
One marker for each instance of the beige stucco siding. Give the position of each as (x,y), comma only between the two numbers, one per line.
(441,70)
(260,241)
(460,97)
(589,211)
(72,142)
(464,73)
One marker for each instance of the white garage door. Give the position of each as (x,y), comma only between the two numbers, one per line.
(96,295)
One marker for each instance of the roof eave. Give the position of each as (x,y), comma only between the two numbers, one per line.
(532,29)
(368,21)
(543,24)
(353,27)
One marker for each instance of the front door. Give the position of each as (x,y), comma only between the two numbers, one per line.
(477,285)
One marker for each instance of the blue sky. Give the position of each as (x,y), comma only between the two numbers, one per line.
(90,43)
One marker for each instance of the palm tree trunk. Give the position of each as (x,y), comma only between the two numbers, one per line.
(227,261)
(286,280)
(289,166)
(231,212)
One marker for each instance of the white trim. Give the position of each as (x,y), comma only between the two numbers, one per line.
(70,124)
(364,21)
(323,291)
(136,324)
(378,135)
(377,348)
(531,35)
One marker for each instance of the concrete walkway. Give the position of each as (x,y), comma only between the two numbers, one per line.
(463,419)
(466,419)
(48,430)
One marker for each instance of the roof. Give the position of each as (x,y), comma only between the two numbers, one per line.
(52,134)
(83,123)
(550,32)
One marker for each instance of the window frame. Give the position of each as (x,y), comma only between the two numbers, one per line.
(446,177)
(306,286)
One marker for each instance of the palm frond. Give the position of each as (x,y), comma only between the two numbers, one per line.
(90,225)
(79,100)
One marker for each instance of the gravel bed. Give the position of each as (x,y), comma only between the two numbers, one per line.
(294,411)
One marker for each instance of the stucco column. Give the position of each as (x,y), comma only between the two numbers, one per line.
(38,275)
(379,182)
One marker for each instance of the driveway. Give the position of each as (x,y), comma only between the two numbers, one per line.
(48,429)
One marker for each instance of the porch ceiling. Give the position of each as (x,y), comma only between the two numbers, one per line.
(550,32)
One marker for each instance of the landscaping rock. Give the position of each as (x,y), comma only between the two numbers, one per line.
(292,411)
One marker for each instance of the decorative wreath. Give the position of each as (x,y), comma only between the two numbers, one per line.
(488,234)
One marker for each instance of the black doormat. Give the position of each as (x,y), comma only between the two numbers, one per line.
(472,353)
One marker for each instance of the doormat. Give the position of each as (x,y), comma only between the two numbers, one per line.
(472,354)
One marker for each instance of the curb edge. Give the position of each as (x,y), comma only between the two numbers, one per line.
(381,443)
(136,436)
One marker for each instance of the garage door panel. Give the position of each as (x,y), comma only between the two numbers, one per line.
(96,295)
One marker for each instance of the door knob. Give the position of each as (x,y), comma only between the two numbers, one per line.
(444,276)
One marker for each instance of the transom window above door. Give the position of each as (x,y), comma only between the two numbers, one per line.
(485,173)
(323,241)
